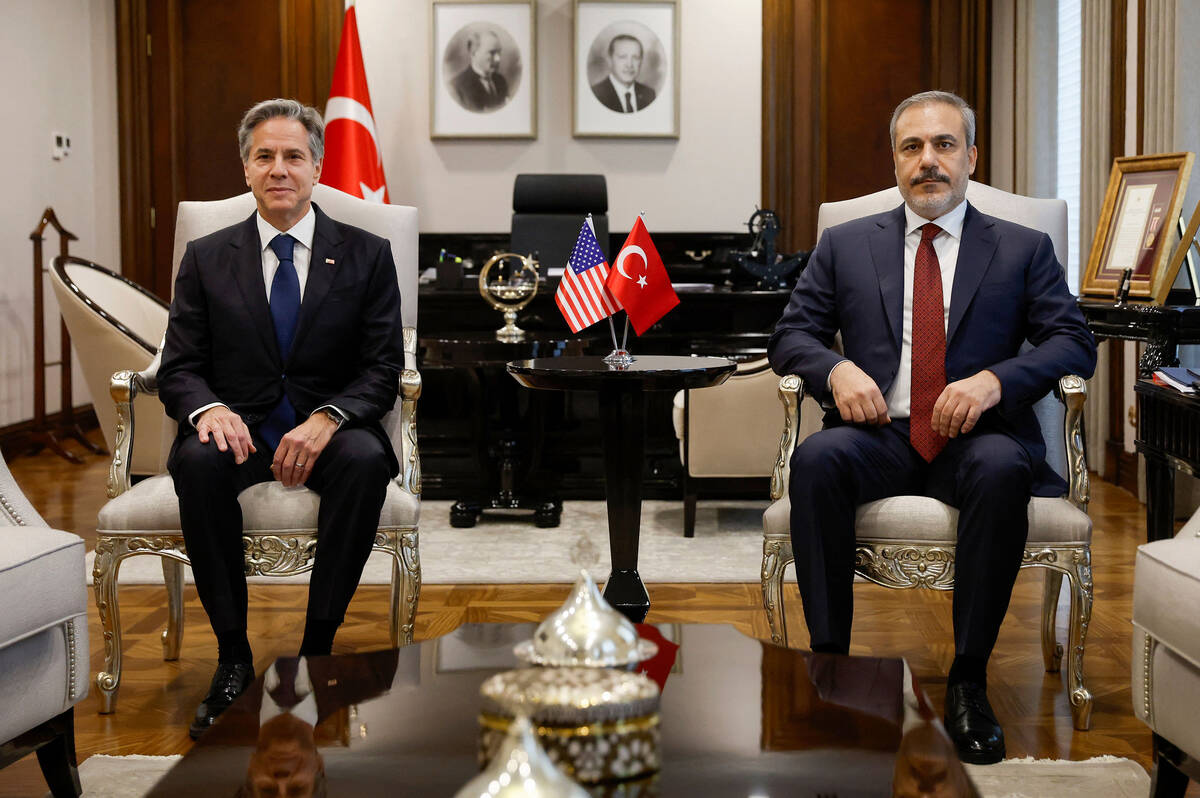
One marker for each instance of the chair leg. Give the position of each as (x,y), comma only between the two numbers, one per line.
(172,636)
(406,586)
(1167,780)
(689,507)
(109,553)
(1052,651)
(776,555)
(1080,578)
(57,758)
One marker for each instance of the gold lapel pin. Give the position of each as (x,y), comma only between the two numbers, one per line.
(329,261)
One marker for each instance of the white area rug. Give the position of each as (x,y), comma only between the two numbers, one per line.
(1102,777)
(509,549)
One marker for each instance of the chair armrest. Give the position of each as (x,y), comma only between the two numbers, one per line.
(124,388)
(1072,392)
(791,393)
(410,392)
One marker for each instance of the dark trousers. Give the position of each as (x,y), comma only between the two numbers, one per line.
(351,477)
(985,474)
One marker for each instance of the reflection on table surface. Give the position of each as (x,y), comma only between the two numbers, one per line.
(740,717)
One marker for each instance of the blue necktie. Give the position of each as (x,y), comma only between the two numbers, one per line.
(285,311)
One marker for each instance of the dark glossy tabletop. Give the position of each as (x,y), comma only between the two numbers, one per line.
(647,372)
(480,347)
(740,717)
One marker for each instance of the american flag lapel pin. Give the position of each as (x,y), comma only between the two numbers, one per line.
(329,261)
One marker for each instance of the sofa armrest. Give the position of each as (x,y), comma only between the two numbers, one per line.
(791,394)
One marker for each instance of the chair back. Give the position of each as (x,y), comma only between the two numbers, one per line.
(396,223)
(1046,215)
(114,324)
(548,211)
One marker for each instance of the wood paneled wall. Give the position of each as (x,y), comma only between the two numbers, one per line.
(832,74)
(187,71)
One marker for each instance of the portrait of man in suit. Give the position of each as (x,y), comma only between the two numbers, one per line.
(620,90)
(481,87)
(283,351)
(931,393)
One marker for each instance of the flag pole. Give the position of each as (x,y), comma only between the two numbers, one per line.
(618,358)
(625,332)
(611,328)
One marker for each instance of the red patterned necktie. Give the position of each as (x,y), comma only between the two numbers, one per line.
(928,347)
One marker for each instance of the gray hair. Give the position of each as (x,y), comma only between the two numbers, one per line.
(285,109)
(474,36)
(944,97)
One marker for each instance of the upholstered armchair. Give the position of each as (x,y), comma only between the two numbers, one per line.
(1166,655)
(729,431)
(908,541)
(43,639)
(279,524)
(115,325)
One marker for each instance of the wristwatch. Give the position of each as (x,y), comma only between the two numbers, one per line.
(334,416)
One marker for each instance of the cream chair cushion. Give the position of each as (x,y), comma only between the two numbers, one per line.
(917,519)
(151,506)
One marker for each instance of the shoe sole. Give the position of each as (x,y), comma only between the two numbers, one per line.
(973,758)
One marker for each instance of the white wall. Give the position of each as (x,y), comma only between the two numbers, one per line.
(57,73)
(707,180)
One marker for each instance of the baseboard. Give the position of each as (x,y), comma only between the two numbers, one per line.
(15,439)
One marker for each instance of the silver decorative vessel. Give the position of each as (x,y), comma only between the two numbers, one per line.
(508,282)
(521,769)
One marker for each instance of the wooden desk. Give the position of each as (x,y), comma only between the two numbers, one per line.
(1168,436)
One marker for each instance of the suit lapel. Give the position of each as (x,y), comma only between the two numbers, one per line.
(322,266)
(246,263)
(887,253)
(975,253)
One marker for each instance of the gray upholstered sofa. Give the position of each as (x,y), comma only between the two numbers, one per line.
(1166,655)
(43,638)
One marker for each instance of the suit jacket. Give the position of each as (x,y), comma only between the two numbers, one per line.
(347,350)
(1008,288)
(474,96)
(606,93)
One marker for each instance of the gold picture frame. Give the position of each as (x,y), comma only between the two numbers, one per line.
(1142,201)
(651,107)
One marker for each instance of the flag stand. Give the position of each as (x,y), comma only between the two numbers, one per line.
(619,358)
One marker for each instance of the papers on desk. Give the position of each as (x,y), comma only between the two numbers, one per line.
(1181,379)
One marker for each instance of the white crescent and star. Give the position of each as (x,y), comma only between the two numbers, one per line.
(632,249)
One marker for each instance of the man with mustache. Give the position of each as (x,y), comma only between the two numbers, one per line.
(932,395)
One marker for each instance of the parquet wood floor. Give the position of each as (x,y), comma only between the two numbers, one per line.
(157,698)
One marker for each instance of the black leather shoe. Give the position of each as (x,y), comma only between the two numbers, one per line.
(972,724)
(229,682)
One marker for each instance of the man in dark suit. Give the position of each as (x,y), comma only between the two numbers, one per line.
(620,90)
(283,352)
(933,301)
(480,87)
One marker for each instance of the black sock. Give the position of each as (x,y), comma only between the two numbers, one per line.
(318,637)
(828,648)
(968,669)
(234,648)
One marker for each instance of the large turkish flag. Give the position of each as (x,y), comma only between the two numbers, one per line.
(639,280)
(353,159)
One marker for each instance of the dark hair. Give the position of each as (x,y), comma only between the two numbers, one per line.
(627,37)
(282,109)
(944,97)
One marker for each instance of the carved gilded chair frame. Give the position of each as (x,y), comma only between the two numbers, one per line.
(915,563)
(280,553)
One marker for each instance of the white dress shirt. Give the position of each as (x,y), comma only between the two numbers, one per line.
(622,90)
(302,231)
(945,245)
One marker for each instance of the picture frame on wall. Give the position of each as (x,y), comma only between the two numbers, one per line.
(625,69)
(484,69)
(1142,201)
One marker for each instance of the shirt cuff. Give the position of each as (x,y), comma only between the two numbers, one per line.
(337,411)
(195,414)
(829,377)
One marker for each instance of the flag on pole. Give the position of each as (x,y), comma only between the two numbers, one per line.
(639,280)
(581,295)
(353,158)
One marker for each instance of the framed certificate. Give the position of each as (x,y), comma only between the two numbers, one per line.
(1142,202)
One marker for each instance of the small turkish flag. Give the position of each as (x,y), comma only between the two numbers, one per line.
(639,280)
(353,160)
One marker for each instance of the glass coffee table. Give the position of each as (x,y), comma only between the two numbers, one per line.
(739,717)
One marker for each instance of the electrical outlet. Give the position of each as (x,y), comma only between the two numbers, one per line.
(60,145)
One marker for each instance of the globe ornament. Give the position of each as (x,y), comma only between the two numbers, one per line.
(508,282)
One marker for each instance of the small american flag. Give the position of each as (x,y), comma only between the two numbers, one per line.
(582,296)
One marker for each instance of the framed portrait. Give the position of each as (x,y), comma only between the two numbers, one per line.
(625,69)
(484,70)
(1142,202)
(1184,257)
